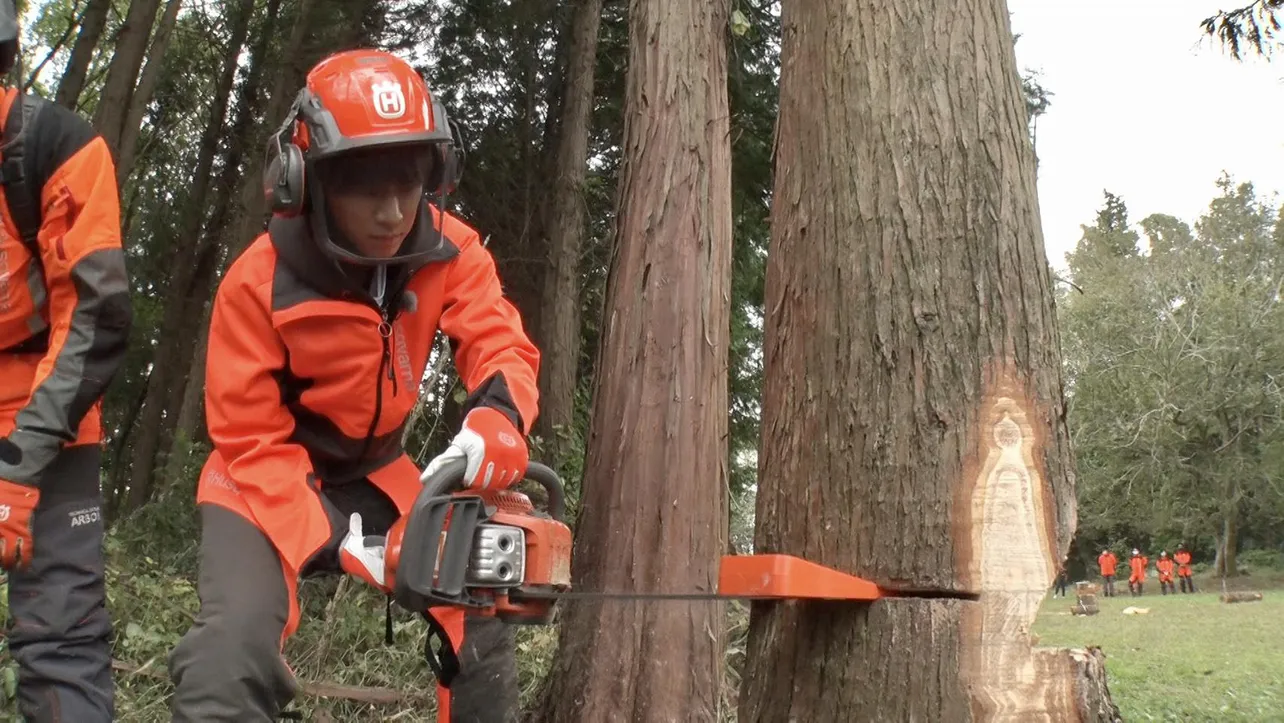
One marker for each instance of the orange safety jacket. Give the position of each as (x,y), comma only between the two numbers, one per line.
(310,384)
(1165,567)
(1108,562)
(1138,568)
(64,312)
(1183,563)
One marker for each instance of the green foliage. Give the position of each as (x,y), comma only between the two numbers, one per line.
(1263,560)
(753,75)
(1174,365)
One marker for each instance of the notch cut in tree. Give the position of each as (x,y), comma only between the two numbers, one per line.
(913,420)
(653,509)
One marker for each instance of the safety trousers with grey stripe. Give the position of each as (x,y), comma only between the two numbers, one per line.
(59,629)
(229,665)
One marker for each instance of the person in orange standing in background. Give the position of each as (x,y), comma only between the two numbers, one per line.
(1108,563)
(1165,567)
(1183,568)
(1137,566)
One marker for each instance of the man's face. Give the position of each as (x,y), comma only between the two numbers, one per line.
(376,219)
(374,196)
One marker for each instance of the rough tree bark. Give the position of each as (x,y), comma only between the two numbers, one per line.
(1225,563)
(122,74)
(655,477)
(82,53)
(147,80)
(913,420)
(564,229)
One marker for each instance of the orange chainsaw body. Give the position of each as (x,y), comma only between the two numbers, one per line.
(433,552)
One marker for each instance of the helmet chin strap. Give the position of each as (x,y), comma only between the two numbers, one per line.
(379,283)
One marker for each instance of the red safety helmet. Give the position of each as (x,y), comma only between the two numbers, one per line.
(357,100)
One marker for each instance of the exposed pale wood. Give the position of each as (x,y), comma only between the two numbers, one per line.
(1014,538)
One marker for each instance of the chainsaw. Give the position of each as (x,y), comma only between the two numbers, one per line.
(489,552)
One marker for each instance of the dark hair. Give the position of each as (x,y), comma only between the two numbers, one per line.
(376,170)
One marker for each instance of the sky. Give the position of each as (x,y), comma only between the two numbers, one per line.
(1145,106)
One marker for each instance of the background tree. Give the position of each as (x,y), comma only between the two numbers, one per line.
(1175,362)
(653,515)
(1252,28)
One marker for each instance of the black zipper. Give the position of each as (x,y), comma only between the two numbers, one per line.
(385,332)
(389,343)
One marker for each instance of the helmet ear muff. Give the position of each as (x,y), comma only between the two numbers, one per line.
(284,181)
(448,157)
(283,173)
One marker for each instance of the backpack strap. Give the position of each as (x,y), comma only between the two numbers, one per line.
(15,176)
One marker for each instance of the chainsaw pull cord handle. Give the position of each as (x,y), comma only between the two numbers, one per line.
(450,478)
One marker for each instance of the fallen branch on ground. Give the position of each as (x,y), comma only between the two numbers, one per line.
(1241,596)
(360,694)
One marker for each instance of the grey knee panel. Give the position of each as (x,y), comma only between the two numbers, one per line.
(228,666)
(486,690)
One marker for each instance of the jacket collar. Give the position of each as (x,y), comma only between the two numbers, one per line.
(294,239)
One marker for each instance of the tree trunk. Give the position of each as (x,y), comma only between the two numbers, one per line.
(77,16)
(294,63)
(186,394)
(559,333)
(122,74)
(146,87)
(82,53)
(117,487)
(1227,564)
(195,267)
(1240,596)
(655,478)
(188,429)
(912,416)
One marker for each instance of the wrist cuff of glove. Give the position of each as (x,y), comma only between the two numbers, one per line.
(25,455)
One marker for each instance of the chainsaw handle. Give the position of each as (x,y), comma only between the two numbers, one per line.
(450,478)
(552,484)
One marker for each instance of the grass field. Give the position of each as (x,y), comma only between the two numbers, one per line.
(1191,658)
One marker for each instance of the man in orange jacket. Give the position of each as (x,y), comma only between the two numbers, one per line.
(1182,557)
(1165,567)
(319,337)
(1108,563)
(64,327)
(1137,567)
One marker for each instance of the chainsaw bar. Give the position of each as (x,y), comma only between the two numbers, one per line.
(770,577)
(582,595)
(884,593)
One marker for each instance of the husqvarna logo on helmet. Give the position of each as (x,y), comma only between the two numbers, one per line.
(389,100)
